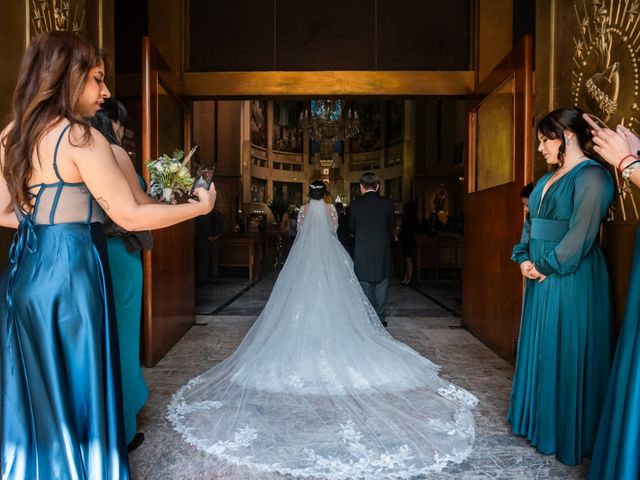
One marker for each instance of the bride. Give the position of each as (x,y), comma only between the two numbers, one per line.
(318,388)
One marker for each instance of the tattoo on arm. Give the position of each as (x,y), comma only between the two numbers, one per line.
(103,203)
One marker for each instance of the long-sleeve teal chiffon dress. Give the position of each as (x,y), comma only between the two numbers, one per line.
(616,455)
(564,349)
(60,398)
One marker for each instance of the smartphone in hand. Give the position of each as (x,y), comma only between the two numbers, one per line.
(204,178)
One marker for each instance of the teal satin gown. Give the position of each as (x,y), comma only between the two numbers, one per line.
(60,396)
(616,455)
(126,273)
(564,349)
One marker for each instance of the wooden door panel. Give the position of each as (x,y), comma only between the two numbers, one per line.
(169,284)
(492,283)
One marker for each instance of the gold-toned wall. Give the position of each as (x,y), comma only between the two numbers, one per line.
(13,35)
(167,31)
(587,55)
(494,34)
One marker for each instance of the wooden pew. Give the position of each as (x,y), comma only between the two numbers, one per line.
(239,251)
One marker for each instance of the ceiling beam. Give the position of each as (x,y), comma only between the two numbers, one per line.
(327,83)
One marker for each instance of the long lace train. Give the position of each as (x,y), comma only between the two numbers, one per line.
(318,388)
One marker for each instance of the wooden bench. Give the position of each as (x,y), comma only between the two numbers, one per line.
(438,252)
(239,251)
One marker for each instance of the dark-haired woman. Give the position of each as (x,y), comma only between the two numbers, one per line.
(616,455)
(564,350)
(60,395)
(318,388)
(126,271)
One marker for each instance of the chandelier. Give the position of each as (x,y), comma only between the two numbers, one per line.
(328,123)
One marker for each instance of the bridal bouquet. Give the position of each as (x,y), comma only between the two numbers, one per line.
(170,176)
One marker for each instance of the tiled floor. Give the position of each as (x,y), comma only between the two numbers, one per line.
(422,319)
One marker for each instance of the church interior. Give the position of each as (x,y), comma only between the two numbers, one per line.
(438,99)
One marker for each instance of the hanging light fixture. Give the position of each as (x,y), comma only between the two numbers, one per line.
(327,122)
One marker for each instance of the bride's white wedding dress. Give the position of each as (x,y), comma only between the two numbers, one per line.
(318,388)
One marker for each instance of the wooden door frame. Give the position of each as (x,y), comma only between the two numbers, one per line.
(164,322)
(492,283)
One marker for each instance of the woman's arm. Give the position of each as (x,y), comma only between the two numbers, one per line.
(520,253)
(618,149)
(300,218)
(7,215)
(333,214)
(106,182)
(126,165)
(592,196)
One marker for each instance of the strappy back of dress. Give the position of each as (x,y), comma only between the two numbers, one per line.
(62,202)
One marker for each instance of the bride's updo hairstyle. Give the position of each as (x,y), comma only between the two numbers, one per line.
(317,190)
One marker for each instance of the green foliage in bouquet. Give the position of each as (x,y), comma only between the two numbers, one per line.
(170,171)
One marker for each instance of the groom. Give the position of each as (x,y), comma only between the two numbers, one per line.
(371,220)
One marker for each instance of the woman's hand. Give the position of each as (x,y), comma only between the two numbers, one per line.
(206,198)
(525,268)
(614,146)
(528,270)
(632,139)
(536,275)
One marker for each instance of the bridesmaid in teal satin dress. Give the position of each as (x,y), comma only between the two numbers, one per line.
(60,393)
(564,349)
(126,270)
(616,454)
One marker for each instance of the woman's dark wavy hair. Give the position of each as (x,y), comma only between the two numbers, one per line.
(51,78)
(554,123)
(317,190)
(112,111)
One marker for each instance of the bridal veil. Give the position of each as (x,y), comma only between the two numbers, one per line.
(318,388)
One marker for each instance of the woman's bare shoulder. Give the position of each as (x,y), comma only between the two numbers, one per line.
(83,137)
(120,152)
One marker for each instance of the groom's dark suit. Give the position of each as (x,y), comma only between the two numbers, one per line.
(371,220)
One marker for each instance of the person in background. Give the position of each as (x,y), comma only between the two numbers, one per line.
(345,238)
(408,230)
(60,389)
(126,271)
(616,455)
(524,197)
(289,225)
(564,349)
(216,242)
(209,230)
(371,220)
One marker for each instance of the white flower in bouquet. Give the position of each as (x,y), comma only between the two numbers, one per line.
(170,175)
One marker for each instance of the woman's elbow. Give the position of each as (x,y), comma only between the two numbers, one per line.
(126,220)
